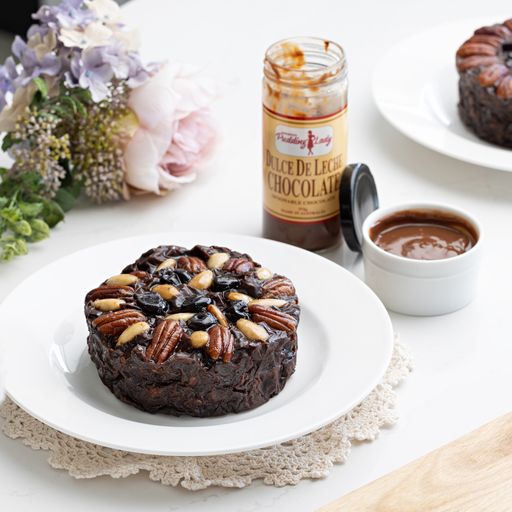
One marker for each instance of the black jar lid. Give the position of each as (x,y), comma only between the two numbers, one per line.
(358,198)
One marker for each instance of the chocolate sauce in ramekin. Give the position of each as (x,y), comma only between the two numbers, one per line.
(424,234)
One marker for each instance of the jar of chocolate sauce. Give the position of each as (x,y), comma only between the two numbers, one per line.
(304,141)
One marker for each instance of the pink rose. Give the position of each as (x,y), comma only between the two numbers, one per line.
(175,132)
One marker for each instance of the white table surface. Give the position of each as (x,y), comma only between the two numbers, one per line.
(462,377)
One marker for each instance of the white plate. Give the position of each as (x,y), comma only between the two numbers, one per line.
(415,86)
(345,344)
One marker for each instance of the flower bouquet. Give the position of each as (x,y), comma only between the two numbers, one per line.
(82,113)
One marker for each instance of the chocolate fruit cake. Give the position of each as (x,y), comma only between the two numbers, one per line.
(201,332)
(484,63)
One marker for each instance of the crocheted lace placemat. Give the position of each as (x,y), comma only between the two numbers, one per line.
(310,456)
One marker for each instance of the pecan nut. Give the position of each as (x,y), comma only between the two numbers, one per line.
(274,318)
(492,74)
(278,287)
(116,322)
(239,265)
(191,264)
(491,40)
(476,61)
(220,343)
(165,338)
(468,49)
(494,30)
(109,292)
(504,89)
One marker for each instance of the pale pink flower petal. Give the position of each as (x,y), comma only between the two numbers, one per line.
(141,159)
(173,113)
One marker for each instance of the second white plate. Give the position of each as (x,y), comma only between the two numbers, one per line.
(415,88)
(345,345)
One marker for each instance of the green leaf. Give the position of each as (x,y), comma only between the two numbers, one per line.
(11,214)
(82,95)
(8,141)
(65,199)
(30,179)
(80,108)
(40,230)
(67,102)
(20,246)
(52,213)
(3,201)
(8,252)
(42,87)
(22,227)
(29,210)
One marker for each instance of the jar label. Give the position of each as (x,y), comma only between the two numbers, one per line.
(302,164)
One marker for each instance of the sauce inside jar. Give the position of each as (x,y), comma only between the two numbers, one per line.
(304,141)
(424,235)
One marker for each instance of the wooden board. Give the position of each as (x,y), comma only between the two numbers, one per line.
(470,474)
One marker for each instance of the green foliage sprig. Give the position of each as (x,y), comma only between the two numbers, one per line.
(25,214)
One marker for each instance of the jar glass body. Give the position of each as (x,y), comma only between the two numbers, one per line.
(305,90)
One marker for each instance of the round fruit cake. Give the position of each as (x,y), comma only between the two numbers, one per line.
(202,332)
(484,63)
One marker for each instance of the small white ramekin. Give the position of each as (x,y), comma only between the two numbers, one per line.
(421,287)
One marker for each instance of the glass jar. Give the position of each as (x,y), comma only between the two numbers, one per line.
(304,141)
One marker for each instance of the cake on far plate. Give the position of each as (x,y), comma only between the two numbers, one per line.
(484,63)
(200,332)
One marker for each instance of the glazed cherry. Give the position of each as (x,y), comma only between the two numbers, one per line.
(174,276)
(202,321)
(226,282)
(196,303)
(237,309)
(151,302)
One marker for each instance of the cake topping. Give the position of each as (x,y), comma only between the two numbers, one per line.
(169,263)
(108,304)
(151,302)
(278,287)
(239,296)
(116,322)
(122,280)
(239,265)
(196,295)
(199,339)
(131,332)
(191,264)
(252,330)
(202,320)
(221,343)
(218,314)
(504,89)
(166,291)
(202,281)
(264,273)
(180,316)
(489,52)
(165,338)
(273,317)
(104,292)
(217,260)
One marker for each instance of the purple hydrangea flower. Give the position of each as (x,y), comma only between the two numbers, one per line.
(34,65)
(95,68)
(8,77)
(137,73)
(69,13)
(93,71)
